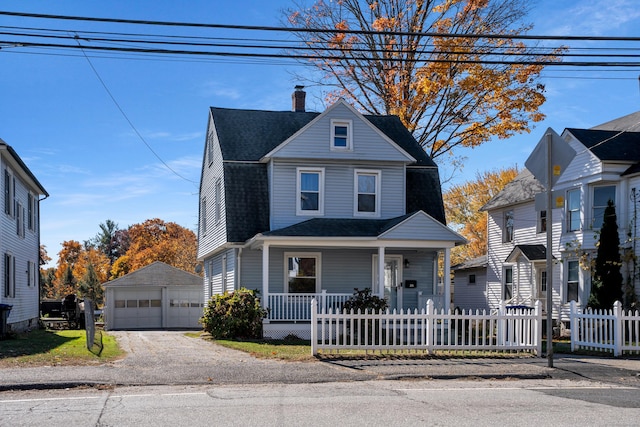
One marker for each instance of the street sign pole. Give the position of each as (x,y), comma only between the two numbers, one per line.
(549,228)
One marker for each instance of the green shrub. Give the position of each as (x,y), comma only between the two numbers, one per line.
(363,300)
(236,314)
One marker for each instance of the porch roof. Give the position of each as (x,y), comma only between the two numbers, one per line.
(338,227)
(530,252)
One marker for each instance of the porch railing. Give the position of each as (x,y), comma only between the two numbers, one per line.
(297,307)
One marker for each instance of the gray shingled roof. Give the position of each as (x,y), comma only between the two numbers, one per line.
(610,144)
(157,274)
(531,252)
(630,122)
(478,262)
(338,227)
(245,136)
(522,188)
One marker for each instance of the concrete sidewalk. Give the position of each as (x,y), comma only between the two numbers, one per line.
(171,358)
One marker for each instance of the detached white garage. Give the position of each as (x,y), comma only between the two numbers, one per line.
(157,296)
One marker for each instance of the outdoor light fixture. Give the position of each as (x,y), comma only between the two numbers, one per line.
(406,263)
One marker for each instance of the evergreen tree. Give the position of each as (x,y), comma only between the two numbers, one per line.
(90,286)
(607,278)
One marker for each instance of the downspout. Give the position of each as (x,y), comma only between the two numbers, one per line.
(39,275)
(238,268)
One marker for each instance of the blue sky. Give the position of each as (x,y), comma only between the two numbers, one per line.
(70,132)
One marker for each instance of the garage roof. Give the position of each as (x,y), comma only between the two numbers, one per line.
(156,274)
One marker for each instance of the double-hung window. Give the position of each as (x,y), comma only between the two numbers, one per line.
(303,272)
(9,275)
(572,210)
(9,192)
(367,193)
(341,138)
(601,197)
(32,272)
(542,222)
(19,219)
(310,185)
(507,285)
(573,280)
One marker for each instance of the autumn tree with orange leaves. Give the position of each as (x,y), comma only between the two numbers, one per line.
(450,92)
(157,240)
(462,205)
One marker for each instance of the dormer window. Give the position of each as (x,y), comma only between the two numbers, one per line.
(341,135)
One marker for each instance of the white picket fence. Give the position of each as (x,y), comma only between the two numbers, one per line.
(510,329)
(615,331)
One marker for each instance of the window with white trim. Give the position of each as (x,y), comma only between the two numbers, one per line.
(203,215)
(542,222)
(573,281)
(572,210)
(32,208)
(302,272)
(9,192)
(19,219)
(310,184)
(341,138)
(508,226)
(9,275)
(601,196)
(31,273)
(367,193)
(507,283)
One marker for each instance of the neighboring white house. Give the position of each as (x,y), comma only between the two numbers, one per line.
(157,296)
(300,205)
(20,240)
(606,166)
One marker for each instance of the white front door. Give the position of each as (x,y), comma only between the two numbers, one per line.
(392,280)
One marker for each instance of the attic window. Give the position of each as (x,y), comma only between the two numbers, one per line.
(341,139)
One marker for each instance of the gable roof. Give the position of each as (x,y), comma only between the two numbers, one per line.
(630,122)
(156,274)
(522,188)
(248,135)
(530,252)
(610,145)
(21,168)
(479,262)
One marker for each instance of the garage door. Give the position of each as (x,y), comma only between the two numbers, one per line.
(185,308)
(137,309)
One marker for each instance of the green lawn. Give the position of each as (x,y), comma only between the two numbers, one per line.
(49,348)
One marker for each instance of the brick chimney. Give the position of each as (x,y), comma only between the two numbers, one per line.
(297,98)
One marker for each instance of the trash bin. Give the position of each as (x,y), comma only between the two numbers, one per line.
(4,314)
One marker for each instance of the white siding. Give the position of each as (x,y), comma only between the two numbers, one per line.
(214,234)
(24,249)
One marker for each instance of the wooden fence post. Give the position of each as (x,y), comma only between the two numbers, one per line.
(573,324)
(617,329)
(314,327)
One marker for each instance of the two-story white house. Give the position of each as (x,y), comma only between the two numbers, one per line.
(606,167)
(302,204)
(20,241)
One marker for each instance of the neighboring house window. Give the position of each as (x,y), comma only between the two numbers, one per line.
(601,196)
(542,222)
(367,197)
(303,271)
(573,273)
(507,291)
(19,219)
(341,135)
(472,279)
(32,211)
(9,275)
(218,196)
(9,192)
(203,215)
(31,273)
(508,226)
(573,210)
(310,192)
(210,139)
(543,282)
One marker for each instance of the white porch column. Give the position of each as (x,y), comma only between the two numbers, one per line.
(447,279)
(265,275)
(380,290)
